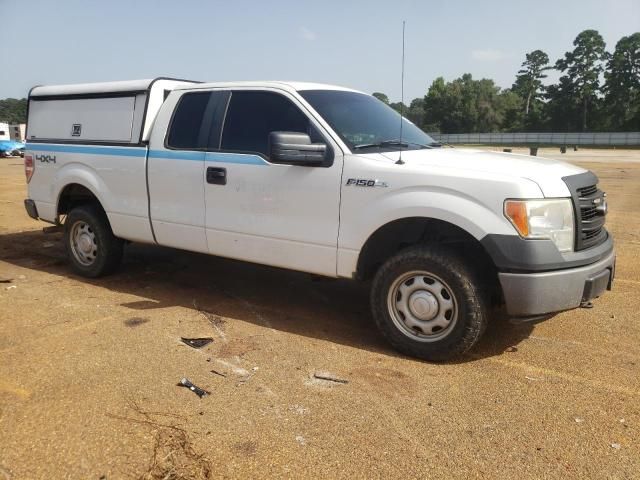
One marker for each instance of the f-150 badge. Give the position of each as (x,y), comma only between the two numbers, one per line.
(364,182)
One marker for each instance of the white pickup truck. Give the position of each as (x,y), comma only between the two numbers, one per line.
(319,179)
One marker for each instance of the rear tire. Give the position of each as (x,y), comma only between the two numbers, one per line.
(92,249)
(427,303)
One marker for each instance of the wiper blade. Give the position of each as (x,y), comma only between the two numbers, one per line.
(389,143)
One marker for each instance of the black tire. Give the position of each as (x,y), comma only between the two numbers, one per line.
(469,303)
(107,248)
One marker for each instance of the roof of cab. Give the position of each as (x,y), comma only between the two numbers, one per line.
(295,86)
(99,87)
(145,84)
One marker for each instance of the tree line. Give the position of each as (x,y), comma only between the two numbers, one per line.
(596,91)
(13,110)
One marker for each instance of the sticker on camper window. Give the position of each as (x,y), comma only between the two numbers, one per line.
(76,129)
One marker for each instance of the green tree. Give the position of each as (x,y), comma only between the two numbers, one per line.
(13,110)
(381,96)
(510,105)
(415,112)
(463,105)
(582,68)
(622,85)
(529,85)
(399,107)
(561,109)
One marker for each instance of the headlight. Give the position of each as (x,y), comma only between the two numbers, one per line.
(552,219)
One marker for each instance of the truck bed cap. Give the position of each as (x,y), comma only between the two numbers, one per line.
(96,88)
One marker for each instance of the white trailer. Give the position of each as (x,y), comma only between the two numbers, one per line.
(4,131)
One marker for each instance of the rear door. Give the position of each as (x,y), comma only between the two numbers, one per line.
(176,169)
(275,214)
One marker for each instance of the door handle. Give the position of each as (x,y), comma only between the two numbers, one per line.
(217,176)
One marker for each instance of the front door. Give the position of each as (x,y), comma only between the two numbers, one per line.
(176,169)
(275,214)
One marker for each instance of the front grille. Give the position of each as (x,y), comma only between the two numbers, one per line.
(585,192)
(588,203)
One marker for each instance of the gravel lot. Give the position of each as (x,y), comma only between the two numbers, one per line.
(88,370)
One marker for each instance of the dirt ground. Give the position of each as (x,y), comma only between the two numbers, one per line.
(89,370)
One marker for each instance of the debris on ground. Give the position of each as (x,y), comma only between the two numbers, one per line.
(197,342)
(52,229)
(185,382)
(216,321)
(173,455)
(301,440)
(579,420)
(219,373)
(135,321)
(329,377)
(616,446)
(533,379)
(512,349)
(6,280)
(10,288)
(299,409)
(213,319)
(245,379)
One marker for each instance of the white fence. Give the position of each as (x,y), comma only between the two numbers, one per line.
(540,139)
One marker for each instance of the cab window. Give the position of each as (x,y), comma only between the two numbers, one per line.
(252,116)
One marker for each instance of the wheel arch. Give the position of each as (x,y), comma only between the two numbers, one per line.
(402,233)
(74,194)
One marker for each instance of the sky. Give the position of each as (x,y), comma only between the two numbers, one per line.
(351,43)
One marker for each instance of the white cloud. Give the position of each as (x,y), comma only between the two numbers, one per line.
(307,34)
(488,55)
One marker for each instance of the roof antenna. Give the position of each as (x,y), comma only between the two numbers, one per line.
(400,161)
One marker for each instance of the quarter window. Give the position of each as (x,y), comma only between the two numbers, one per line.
(185,132)
(252,116)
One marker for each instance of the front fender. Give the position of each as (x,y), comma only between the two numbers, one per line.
(456,208)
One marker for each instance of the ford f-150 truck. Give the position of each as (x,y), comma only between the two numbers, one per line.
(319,179)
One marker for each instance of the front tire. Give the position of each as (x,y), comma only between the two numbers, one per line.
(92,249)
(427,303)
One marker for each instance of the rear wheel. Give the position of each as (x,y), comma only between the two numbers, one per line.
(92,248)
(427,302)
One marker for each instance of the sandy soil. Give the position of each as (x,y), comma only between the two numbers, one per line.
(88,370)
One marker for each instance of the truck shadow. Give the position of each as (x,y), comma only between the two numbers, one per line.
(293,302)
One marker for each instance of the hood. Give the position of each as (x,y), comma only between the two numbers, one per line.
(545,172)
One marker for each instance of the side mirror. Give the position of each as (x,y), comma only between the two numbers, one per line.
(295,149)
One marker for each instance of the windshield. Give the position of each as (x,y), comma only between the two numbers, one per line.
(364,122)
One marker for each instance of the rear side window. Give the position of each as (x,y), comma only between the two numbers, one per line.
(186,125)
(252,116)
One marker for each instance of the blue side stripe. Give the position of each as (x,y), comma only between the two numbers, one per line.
(176,155)
(241,158)
(116,151)
(238,158)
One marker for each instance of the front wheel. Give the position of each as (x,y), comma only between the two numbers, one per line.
(428,304)
(92,248)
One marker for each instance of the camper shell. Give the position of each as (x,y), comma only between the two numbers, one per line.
(107,113)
